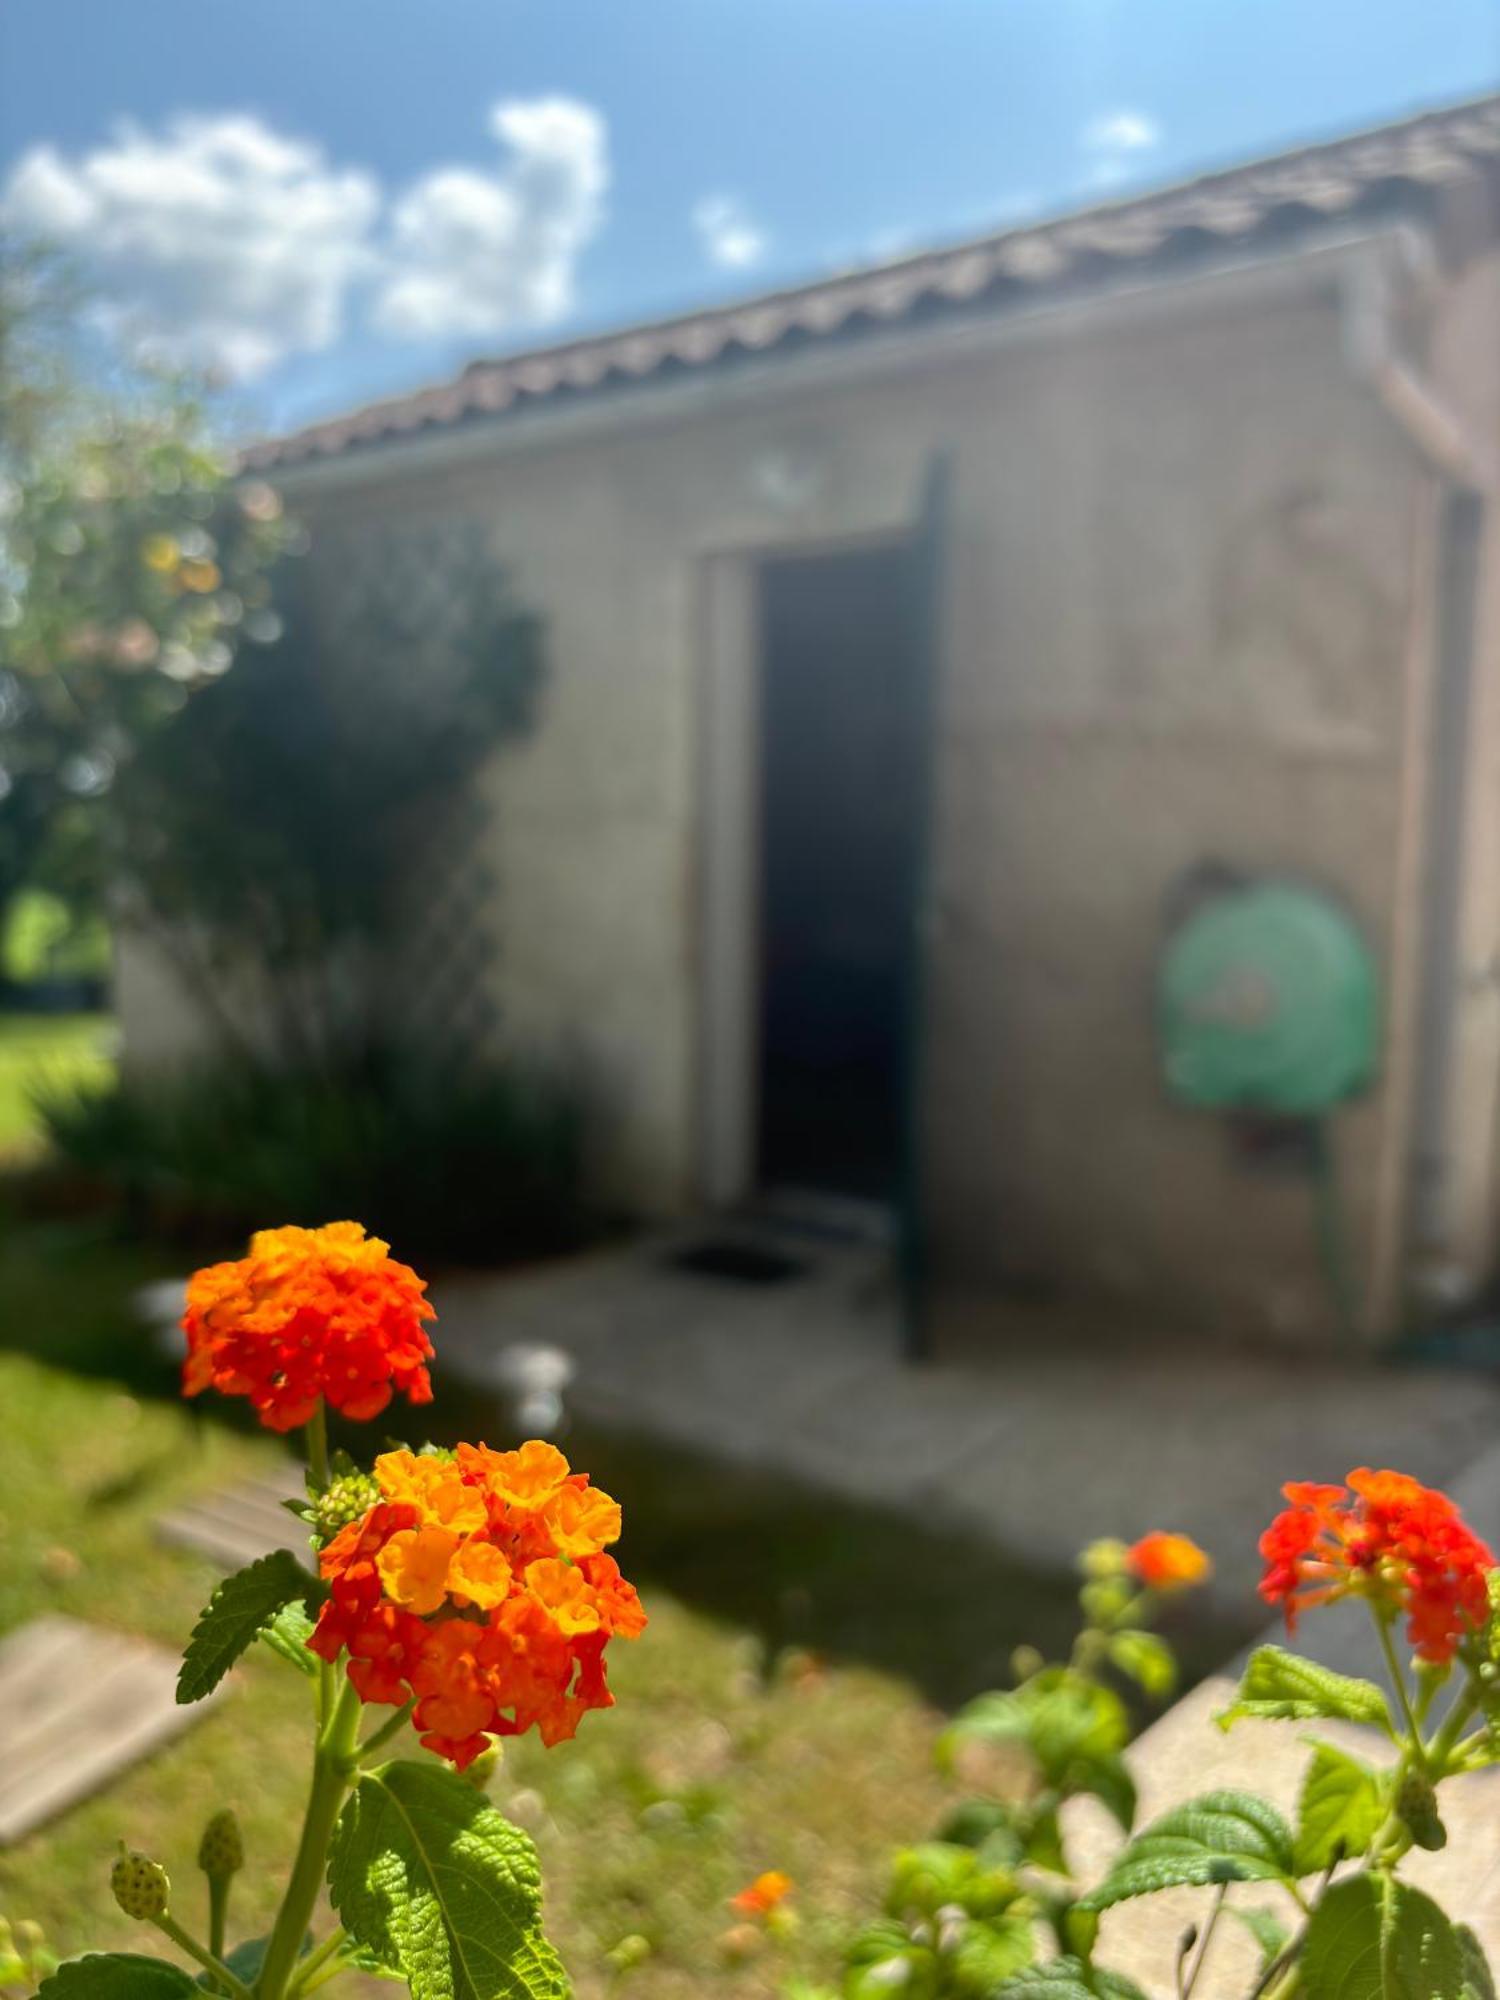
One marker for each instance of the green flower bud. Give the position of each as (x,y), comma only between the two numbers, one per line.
(221,1852)
(140,1885)
(1416,1808)
(484,1766)
(344,1501)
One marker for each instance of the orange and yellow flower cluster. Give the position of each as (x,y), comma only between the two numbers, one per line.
(1167,1562)
(309,1313)
(1386,1537)
(477,1587)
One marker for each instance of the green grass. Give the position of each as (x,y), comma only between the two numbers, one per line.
(58,1051)
(780,1711)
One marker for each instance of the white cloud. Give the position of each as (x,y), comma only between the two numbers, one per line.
(730,235)
(218,240)
(1116,139)
(474,253)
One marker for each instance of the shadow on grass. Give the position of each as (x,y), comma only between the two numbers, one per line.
(942,1608)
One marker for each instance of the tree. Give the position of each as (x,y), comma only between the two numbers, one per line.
(131,568)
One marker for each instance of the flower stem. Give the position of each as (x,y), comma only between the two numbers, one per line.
(316,1959)
(333,1767)
(222,1976)
(387,1730)
(1398,1679)
(317,1445)
(218,1911)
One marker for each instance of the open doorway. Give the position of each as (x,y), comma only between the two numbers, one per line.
(838,830)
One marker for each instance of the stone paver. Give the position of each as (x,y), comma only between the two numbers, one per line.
(1049,1438)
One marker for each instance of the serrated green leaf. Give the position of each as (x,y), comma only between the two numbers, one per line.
(117,1975)
(234,1617)
(1278,1686)
(1220,1837)
(1068,1979)
(430,1877)
(1374,1938)
(1148,1660)
(287,1636)
(1479,1981)
(1340,1810)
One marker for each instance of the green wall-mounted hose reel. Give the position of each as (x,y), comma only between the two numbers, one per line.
(1268,1004)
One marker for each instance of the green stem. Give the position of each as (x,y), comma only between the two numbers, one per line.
(387,1730)
(316,1959)
(1442,1744)
(221,1973)
(1398,1680)
(333,1767)
(317,1446)
(218,1912)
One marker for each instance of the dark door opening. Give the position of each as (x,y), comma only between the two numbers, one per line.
(839,802)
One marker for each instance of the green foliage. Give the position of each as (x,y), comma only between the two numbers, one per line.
(1417,1809)
(130,572)
(1147,1659)
(43,937)
(475,1163)
(1070,1979)
(1220,1837)
(1372,1937)
(1340,1810)
(117,1975)
(1479,1981)
(1278,1686)
(287,1635)
(235,1616)
(1072,1725)
(430,1877)
(1268,1930)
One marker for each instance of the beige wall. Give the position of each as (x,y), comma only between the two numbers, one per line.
(1180,589)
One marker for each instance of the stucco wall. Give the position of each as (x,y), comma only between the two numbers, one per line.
(1179,607)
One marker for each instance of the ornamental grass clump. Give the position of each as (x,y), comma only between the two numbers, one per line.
(468,1592)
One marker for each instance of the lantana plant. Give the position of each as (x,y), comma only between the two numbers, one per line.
(467,1592)
(992,1906)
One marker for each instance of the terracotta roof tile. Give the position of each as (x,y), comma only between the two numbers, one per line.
(1423,152)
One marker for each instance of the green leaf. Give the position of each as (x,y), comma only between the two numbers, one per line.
(984,1823)
(1148,1660)
(1283,1687)
(1063,1718)
(991,1952)
(1220,1837)
(1479,1981)
(432,1878)
(234,1617)
(1269,1932)
(1374,1938)
(287,1636)
(116,1975)
(937,1874)
(1069,1979)
(1340,1810)
(1108,1780)
(245,1961)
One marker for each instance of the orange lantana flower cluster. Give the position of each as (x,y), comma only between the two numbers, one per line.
(477,1587)
(1386,1537)
(1167,1562)
(309,1313)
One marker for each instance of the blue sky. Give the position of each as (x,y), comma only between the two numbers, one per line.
(336,199)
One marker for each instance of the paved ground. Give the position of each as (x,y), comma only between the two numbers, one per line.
(1044,1437)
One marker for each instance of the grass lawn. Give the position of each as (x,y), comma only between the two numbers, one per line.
(51,1049)
(734,1747)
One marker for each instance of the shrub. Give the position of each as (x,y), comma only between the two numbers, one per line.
(480,1164)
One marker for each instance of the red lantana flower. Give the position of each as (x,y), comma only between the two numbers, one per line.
(309,1313)
(477,1587)
(1386,1537)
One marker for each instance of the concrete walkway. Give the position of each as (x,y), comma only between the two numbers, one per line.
(1046,1436)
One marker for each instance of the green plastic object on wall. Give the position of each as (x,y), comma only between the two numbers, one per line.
(1268,1001)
